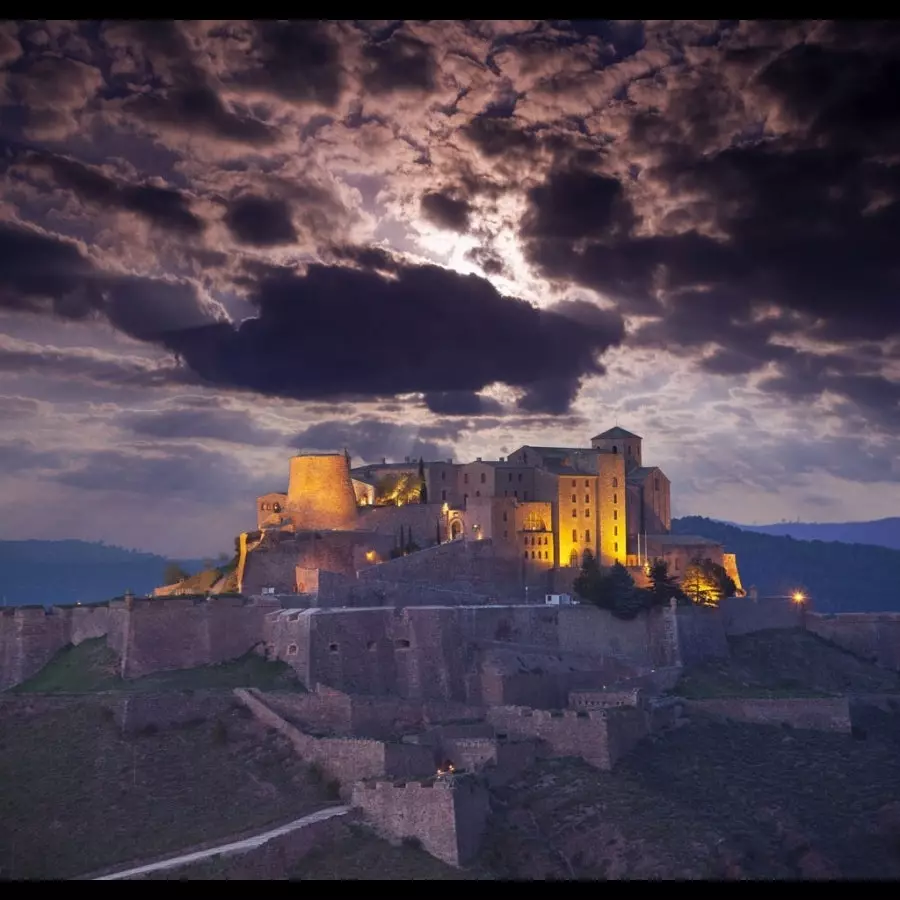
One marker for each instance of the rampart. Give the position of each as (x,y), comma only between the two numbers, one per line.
(599,737)
(743,615)
(701,635)
(344,759)
(464,566)
(875,636)
(139,712)
(818,714)
(448,816)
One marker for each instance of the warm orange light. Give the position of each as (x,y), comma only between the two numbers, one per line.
(798,597)
(370,555)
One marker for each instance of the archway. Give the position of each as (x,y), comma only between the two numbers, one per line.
(455,529)
(573,559)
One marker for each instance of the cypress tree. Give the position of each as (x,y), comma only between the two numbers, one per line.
(423,491)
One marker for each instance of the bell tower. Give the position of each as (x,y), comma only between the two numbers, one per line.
(618,440)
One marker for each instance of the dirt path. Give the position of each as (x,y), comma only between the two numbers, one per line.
(250,843)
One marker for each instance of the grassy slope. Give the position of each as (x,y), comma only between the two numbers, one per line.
(785,663)
(92,666)
(78,797)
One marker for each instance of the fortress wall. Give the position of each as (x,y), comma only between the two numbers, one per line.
(29,638)
(423,519)
(286,637)
(586,629)
(137,712)
(469,565)
(873,636)
(180,633)
(819,714)
(701,635)
(599,737)
(345,759)
(448,817)
(88,622)
(744,615)
(322,708)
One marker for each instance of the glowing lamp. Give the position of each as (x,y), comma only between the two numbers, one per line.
(370,555)
(798,597)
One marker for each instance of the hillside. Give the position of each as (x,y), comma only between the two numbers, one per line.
(64,572)
(880,533)
(838,577)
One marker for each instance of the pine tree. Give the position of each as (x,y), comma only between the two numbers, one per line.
(423,489)
(663,586)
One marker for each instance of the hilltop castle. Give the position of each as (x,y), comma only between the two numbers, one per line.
(542,509)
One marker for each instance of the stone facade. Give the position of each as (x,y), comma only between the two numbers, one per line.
(138,712)
(449,816)
(819,714)
(875,637)
(744,615)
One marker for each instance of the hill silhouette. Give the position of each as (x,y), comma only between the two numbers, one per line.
(878,533)
(839,577)
(52,573)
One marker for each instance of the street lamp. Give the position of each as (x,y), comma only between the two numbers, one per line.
(798,597)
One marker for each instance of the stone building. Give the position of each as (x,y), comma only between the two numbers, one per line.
(544,506)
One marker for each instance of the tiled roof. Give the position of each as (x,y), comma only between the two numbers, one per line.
(615,433)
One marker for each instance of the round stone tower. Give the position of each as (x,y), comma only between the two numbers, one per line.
(320,493)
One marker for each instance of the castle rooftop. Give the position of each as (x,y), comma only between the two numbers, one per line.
(614,433)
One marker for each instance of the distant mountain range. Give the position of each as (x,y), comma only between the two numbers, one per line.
(62,572)
(880,533)
(838,577)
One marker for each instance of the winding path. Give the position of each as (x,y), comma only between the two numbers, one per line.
(250,843)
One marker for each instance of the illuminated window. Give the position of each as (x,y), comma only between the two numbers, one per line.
(616,530)
(587,498)
(574,536)
(587,535)
(587,513)
(574,498)
(574,513)
(615,548)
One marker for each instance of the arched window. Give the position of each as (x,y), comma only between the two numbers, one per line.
(615,449)
(532,554)
(587,537)
(534,522)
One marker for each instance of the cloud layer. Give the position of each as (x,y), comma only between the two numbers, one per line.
(456,237)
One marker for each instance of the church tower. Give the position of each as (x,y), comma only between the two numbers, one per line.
(618,440)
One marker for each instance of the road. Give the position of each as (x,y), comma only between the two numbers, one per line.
(250,843)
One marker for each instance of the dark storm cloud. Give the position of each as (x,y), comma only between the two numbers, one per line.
(298,61)
(461,403)
(260,222)
(193,473)
(19,456)
(372,440)
(341,331)
(400,63)
(232,426)
(446,211)
(162,207)
(39,273)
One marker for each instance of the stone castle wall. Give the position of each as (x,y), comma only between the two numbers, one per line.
(819,714)
(457,565)
(744,615)
(701,635)
(344,759)
(875,637)
(137,712)
(448,817)
(423,521)
(599,737)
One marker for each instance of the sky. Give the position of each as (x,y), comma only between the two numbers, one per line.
(224,242)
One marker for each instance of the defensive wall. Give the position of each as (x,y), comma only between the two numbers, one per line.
(447,815)
(875,637)
(344,759)
(818,714)
(599,737)
(744,615)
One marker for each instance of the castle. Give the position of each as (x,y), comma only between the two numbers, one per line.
(542,510)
